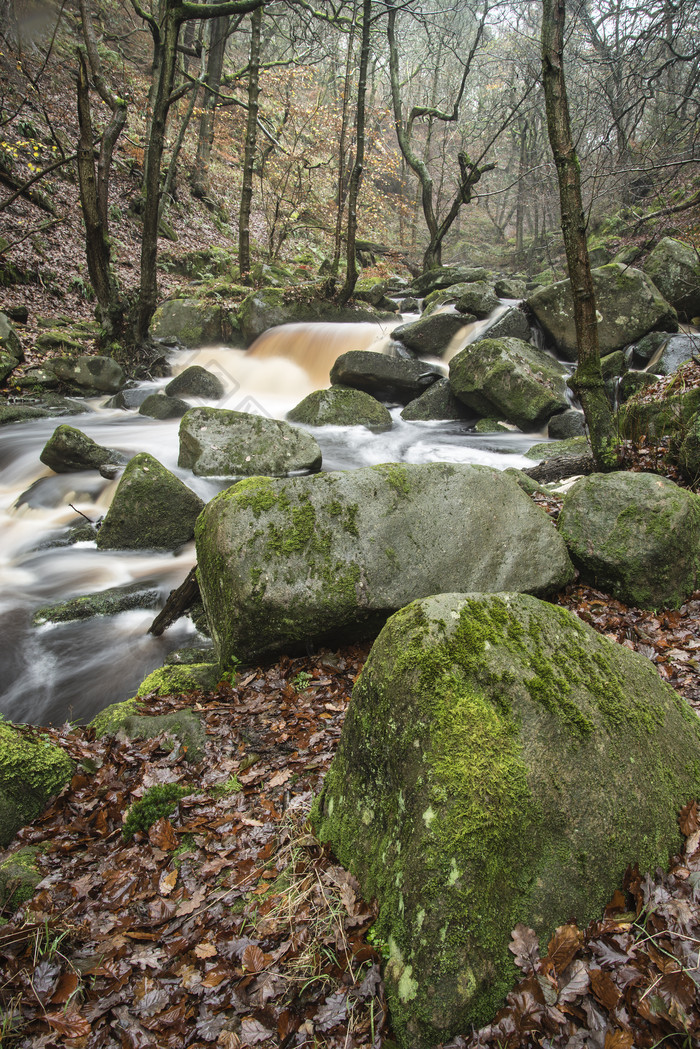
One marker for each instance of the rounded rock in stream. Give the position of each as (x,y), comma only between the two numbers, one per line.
(151,510)
(216,442)
(69,449)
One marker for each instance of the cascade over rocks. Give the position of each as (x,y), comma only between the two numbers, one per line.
(69,449)
(283,562)
(341,406)
(386,378)
(674,267)
(151,509)
(510,379)
(216,442)
(634,535)
(500,762)
(628,303)
(270,307)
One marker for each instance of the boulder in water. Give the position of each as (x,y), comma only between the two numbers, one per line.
(105,603)
(341,406)
(438,402)
(479,299)
(634,535)
(674,352)
(510,379)
(92,374)
(500,763)
(151,509)
(69,449)
(283,562)
(216,442)
(196,381)
(432,334)
(569,423)
(162,406)
(386,378)
(629,305)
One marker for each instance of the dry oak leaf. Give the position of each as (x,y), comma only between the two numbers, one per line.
(167,882)
(205,949)
(525,947)
(563,946)
(162,835)
(689,818)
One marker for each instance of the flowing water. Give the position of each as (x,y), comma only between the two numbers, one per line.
(69,671)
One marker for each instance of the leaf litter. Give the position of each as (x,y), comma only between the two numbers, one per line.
(227,924)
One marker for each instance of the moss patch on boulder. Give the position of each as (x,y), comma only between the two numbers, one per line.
(32,769)
(19,877)
(500,762)
(341,406)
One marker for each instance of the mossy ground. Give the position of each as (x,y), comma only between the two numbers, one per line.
(31,770)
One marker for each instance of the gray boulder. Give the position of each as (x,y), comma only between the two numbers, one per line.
(19,411)
(94,374)
(341,406)
(634,535)
(194,322)
(675,352)
(215,442)
(500,763)
(161,406)
(511,324)
(479,299)
(151,509)
(196,381)
(432,334)
(284,562)
(438,402)
(510,288)
(270,307)
(674,268)
(510,379)
(69,449)
(567,424)
(386,378)
(444,277)
(644,350)
(105,603)
(628,303)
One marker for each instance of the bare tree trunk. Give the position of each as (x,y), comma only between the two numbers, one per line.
(341,195)
(251,137)
(587,381)
(218,37)
(351,272)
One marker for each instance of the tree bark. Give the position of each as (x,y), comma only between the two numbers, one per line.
(587,380)
(351,272)
(251,138)
(218,37)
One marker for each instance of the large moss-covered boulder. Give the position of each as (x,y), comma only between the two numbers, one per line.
(432,334)
(341,406)
(634,535)
(509,379)
(193,322)
(32,769)
(674,267)
(20,411)
(500,762)
(69,449)
(285,562)
(88,374)
(386,378)
(216,442)
(162,406)
(151,509)
(172,679)
(479,298)
(629,305)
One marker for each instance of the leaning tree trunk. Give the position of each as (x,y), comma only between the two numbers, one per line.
(342,146)
(351,272)
(587,381)
(251,138)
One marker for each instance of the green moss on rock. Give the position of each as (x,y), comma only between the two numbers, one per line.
(32,769)
(500,762)
(174,679)
(19,877)
(341,406)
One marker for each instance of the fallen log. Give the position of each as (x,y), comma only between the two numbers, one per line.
(178,604)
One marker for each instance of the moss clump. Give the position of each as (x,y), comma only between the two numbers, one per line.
(31,770)
(174,679)
(183,725)
(111,719)
(19,877)
(158,801)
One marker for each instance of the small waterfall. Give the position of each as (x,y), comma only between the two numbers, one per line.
(316,347)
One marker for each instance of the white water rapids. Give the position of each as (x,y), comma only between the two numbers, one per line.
(69,671)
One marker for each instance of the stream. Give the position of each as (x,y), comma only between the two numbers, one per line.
(67,672)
